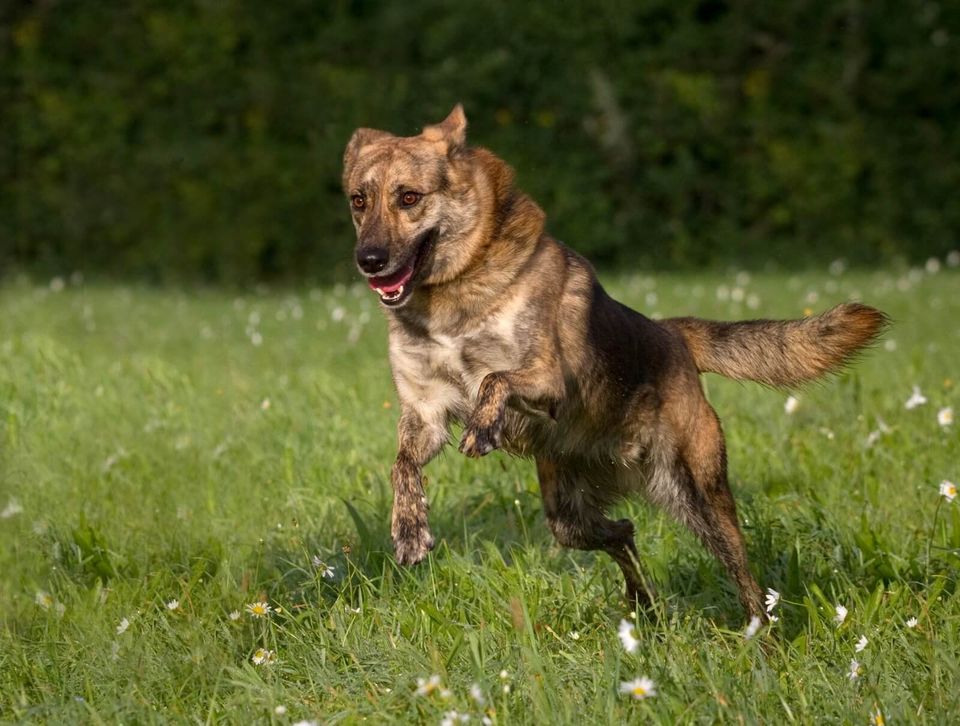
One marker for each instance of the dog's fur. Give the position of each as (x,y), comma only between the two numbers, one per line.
(500,327)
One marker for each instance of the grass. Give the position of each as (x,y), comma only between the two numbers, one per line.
(197,446)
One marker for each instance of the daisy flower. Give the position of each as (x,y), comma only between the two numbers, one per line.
(259,609)
(773,597)
(912,623)
(44,599)
(427,686)
(855,669)
(476,693)
(861,644)
(948,489)
(12,509)
(841,615)
(327,571)
(280,710)
(916,399)
(262,656)
(305,723)
(173,604)
(791,405)
(625,633)
(639,688)
(752,627)
(945,416)
(122,627)
(453,717)
(234,615)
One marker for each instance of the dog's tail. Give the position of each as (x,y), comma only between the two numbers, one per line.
(781,352)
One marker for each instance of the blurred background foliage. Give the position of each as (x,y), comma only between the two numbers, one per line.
(175,140)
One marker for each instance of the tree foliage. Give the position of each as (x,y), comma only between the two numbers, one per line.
(203,139)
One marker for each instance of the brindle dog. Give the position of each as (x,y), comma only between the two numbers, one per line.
(495,324)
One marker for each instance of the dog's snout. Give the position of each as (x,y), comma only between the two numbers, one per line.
(372,259)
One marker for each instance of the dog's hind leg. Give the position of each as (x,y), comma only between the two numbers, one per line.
(700,497)
(577,521)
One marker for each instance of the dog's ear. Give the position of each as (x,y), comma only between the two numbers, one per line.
(452,130)
(360,138)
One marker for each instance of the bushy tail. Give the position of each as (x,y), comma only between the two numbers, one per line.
(781,352)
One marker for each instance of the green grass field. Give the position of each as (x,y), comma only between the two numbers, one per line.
(220,449)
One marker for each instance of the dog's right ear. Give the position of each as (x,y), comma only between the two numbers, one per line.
(452,130)
(360,138)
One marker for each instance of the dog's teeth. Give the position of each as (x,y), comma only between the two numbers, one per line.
(400,291)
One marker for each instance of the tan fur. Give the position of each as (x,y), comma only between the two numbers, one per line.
(502,328)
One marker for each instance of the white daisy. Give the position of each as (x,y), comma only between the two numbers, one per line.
(476,693)
(752,627)
(861,644)
(280,710)
(912,623)
(841,615)
(259,609)
(453,717)
(916,399)
(855,669)
(791,405)
(773,597)
(12,509)
(305,723)
(173,604)
(122,627)
(639,688)
(948,489)
(44,599)
(262,656)
(625,633)
(327,572)
(504,675)
(945,416)
(426,686)
(234,615)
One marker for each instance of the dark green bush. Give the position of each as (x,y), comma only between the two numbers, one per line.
(202,140)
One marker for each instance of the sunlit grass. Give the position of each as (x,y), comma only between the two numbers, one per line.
(169,460)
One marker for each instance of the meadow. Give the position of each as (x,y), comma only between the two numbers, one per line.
(194,517)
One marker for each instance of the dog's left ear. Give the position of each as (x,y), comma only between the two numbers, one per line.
(452,130)
(360,138)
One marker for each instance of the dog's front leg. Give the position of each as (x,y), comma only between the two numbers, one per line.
(419,442)
(484,430)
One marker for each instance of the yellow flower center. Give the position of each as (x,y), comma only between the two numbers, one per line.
(639,691)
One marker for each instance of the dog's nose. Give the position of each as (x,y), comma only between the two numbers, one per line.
(372,259)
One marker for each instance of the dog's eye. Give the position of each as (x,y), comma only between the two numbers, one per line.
(358,201)
(408,199)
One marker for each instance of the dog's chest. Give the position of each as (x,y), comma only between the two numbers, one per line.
(439,375)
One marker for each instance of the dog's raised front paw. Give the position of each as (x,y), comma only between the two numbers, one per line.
(480,440)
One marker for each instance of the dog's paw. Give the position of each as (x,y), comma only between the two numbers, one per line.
(479,441)
(411,545)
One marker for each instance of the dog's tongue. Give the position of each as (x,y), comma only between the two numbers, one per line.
(391,283)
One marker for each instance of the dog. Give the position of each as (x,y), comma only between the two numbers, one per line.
(496,325)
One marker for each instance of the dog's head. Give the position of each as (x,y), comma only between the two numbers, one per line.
(415,206)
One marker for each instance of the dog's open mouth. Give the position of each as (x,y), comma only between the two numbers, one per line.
(394,289)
